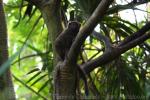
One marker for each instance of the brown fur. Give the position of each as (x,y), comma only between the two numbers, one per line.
(63,43)
(65,39)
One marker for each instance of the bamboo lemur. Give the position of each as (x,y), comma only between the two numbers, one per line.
(63,43)
(65,39)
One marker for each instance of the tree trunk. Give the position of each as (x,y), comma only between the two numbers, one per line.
(6,85)
(64,79)
(52,17)
(64,76)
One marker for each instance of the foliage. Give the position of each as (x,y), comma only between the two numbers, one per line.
(126,77)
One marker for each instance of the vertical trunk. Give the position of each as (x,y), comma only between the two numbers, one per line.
(52,17)
(6,85)
(64,79)
(64,76)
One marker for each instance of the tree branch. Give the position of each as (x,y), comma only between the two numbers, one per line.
(133,40)
(130,5)
(102,38)
(137,34)
(87,29)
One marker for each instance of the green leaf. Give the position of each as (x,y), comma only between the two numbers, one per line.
(43,86)
(40,78)
(34,76)
(33,70)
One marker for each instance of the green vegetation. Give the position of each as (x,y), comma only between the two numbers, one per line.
(122,69)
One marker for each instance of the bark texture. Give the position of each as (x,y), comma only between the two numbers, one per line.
(6,85)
